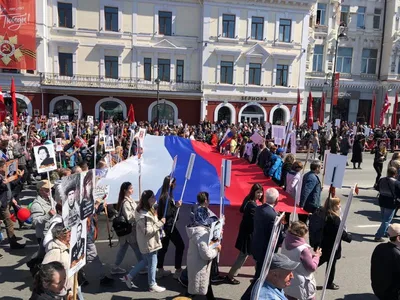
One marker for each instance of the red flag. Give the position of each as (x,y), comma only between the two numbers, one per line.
(14,102)
(3,111)
(322,109)
(373,108)
(131,115)
(298,108)
(384,109)
(335,95)
(394,115)
(102,120)
(310,117)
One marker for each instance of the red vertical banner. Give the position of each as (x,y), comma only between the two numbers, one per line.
(335,95)
(18,34)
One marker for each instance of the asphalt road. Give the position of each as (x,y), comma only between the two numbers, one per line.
(352,270)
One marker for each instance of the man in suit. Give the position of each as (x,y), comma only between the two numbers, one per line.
(310,197)
(264,219)
(78,250)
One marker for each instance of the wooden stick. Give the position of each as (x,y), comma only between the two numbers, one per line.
(108,225)
(75,291)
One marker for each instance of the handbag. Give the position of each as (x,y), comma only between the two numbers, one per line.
(120,225)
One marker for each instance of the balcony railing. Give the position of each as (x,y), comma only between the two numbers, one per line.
(83,81)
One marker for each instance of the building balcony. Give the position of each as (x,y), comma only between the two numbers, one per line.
(127,83)
(369,76)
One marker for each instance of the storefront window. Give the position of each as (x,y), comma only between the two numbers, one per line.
(341,110)
(111,110)
(224,114)
(364,111)
(166,113)
(252,114)
(21,105)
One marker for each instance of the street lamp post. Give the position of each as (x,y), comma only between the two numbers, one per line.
(157,81)
(340,34)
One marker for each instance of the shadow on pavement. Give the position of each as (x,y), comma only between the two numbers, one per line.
(364,296)
(372,215)
(363,237)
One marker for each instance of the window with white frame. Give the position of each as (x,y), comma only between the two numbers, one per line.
(285,28)
(180,68)
(377,18)
(64,14)
(282,72)
(257,28)
(147,68)
(344,15)
(318,58)
(361,17)
(368,61)
(111,18)
(164,69)
(228,26)
(321,14)
(65,64)
(165,22)
(227,72)
(255,74)
(111,66)
(344,60)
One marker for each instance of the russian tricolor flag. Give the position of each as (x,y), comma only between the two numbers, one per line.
(157,159)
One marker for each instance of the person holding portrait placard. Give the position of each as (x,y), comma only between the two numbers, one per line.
(45,160)
(78,250)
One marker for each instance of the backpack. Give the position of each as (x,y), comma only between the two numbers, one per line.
(120,225)
(316,227)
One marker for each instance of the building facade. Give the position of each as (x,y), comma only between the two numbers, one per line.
(367,58)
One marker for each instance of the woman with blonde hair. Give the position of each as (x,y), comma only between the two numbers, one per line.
(332,223)
(303,285)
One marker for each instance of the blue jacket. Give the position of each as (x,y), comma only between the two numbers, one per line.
(276,169)
(310,197)
(264,218)
(269,292)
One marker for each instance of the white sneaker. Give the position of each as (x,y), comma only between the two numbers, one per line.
(156,288)
(128,281)
(117,270)
(177,274)
(162,273)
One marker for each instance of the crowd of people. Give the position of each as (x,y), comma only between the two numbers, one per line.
(151,221)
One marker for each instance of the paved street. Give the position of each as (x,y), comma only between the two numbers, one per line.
(352,271)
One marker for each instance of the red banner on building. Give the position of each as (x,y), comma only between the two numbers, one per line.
(17,34)
(335,95)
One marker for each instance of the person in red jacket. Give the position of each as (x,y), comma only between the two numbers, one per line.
(214,139)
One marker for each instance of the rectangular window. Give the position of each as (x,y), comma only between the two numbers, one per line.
(228,26)
(285,28)
(257,28)
(255,74)
(377,18)
(321,13)
(111,64)
(111,17)
(164,69)
(344,60)
(368,61)
(361,17)
(65,64)
(318,58)
(180,66)
(64,15)
(165,22)
(344,15)
(282,75)
(227,72)
(147,69)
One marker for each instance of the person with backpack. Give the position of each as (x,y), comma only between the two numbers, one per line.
(126,207)
(310,197)
(330,229)
(276,170)
(269,160)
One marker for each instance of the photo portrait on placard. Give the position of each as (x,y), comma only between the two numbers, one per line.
(89,119)
(86,204)
(45,158)
(11,170)
(36,112)
(69,191)
(101,193)
(59,146)
(77,249)
(215,234)
(109,145)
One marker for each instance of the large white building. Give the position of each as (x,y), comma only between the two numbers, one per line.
(221,60)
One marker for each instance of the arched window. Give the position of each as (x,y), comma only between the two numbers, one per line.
(224,114)
(22,107)
(64,107)
(166,113)
(112,110)
(252,114)
(279,117)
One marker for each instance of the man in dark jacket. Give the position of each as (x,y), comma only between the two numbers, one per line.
(310,197)
(264,156)
(389,192)
(264,218)
(385,266)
